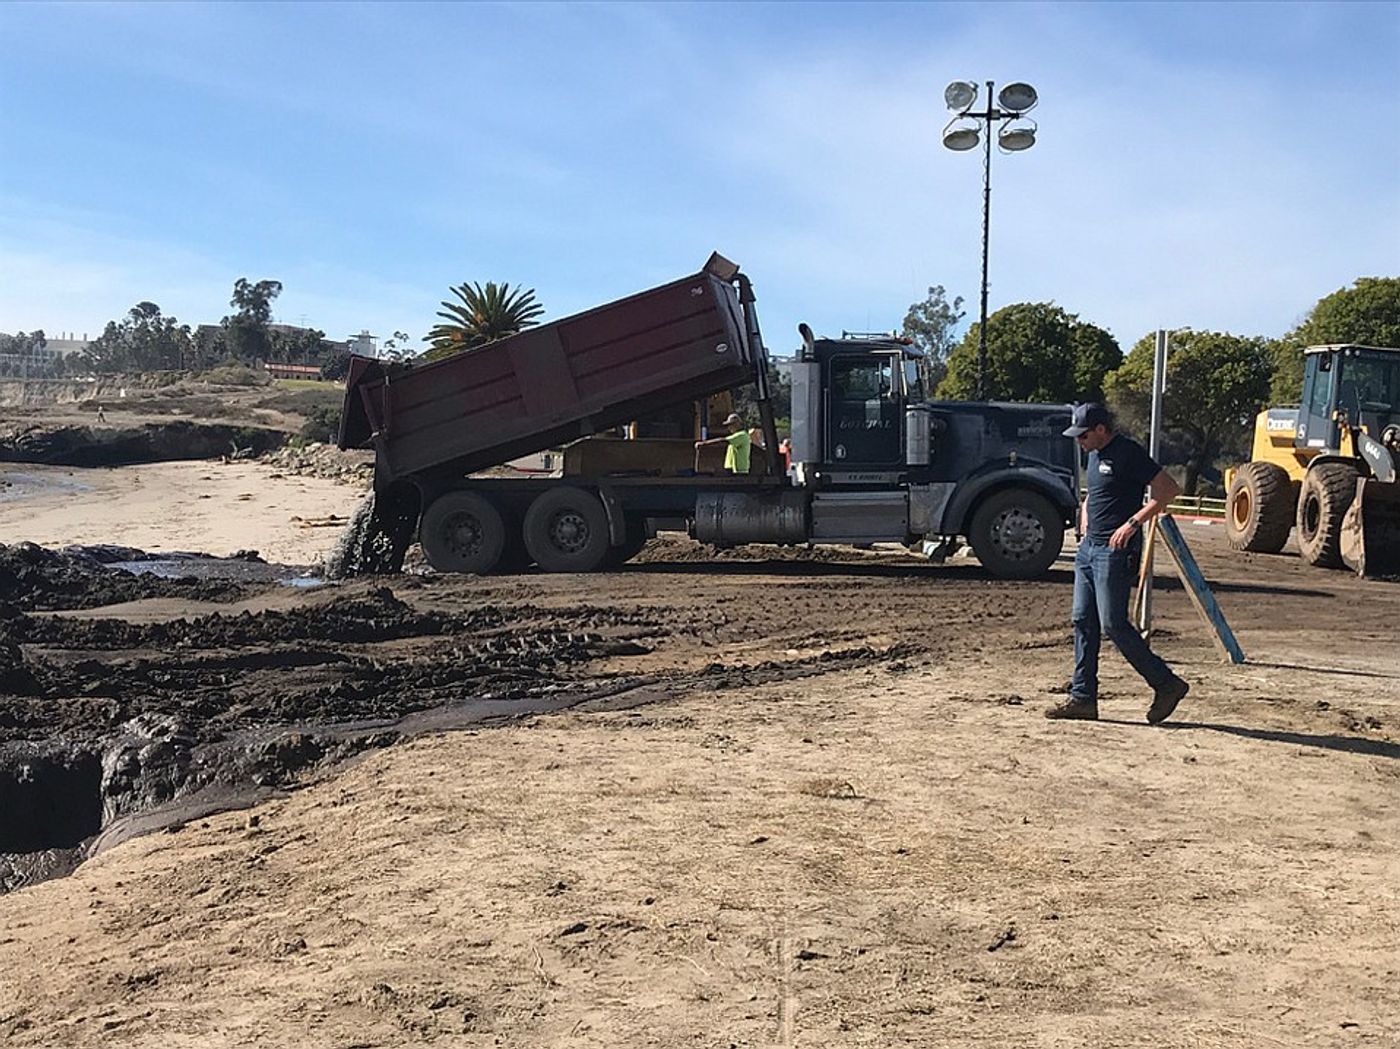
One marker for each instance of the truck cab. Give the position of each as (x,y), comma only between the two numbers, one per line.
(866,438)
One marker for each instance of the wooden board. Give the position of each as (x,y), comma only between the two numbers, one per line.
(1198,590)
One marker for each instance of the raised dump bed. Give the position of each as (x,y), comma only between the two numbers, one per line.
(548,385)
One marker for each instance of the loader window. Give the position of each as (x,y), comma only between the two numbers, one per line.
(1368,390)
(1320,394)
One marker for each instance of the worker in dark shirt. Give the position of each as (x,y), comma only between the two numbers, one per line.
(1106,564)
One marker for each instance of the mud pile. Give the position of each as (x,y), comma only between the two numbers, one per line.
(117,718)
(33,578)
(325,460)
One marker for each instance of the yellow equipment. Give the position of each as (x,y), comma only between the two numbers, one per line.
(1327,466)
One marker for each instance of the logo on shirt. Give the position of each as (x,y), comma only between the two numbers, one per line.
(1106,468)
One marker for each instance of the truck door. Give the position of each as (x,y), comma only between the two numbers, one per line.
(865,409)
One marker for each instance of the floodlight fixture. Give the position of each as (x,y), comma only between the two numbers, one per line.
(1014,138)
(961,138)
(1018,97)
(960,95)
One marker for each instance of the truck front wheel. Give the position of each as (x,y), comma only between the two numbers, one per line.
(462,532)
(1016,533)
(566,530)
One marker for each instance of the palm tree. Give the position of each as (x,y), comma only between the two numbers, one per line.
(484,315)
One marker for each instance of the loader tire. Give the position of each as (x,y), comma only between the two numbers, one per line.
(462,532)
(1259,509)
(1327,494)
(1016,533)
(566,530)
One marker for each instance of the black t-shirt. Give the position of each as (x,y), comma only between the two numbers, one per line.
(1118,474)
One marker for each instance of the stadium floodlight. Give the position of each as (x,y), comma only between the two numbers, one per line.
(1014,135)
(960,95)
(1015,138)
(961,139)
(1018,98)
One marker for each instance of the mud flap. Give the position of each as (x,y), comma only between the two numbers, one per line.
(1370,538)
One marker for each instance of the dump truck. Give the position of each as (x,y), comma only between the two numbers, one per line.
(871,459)
(1327,467)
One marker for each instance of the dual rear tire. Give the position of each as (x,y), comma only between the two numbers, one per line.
(564,530)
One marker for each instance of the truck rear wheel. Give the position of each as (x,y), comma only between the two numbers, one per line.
(462,532)
(1016,533)
(566,530)
(1259,508)
(620,555)
(1328,491)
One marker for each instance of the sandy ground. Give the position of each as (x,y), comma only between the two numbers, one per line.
(208,507)
(899,852)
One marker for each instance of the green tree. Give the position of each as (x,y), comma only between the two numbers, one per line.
(246,336)
(396,347)
(297,346)
(930,325)
(1367,313)
(1216,385)
(1035,352)
(483,315)
(143,340)
(19,355)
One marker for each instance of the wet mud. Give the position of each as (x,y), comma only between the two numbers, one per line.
(112,725)
(33,578)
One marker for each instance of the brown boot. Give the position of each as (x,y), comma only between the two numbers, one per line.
(1074,709)
(1165,699)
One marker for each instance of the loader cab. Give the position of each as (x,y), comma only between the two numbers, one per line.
(1345,388)
(867,383)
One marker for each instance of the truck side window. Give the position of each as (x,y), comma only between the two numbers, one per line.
(913,381)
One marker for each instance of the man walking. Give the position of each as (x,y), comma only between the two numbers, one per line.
(1106,564)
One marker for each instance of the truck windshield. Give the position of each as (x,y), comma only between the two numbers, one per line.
(862,378)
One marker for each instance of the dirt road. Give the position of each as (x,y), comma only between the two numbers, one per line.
(812,802)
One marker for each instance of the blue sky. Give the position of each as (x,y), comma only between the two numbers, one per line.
(1213,165)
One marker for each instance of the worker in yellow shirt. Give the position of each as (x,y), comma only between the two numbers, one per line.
(736,456)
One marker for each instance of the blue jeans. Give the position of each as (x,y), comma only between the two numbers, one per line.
(1103,578)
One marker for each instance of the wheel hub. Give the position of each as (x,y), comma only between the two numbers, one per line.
(1312,516)
(1018,534)
(568,531)
(1240,509)
(463,534)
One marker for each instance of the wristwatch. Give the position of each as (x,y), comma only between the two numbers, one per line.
(1135,523)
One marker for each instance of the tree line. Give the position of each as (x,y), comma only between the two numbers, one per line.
(1217,382)
(148,340)
(1036,352)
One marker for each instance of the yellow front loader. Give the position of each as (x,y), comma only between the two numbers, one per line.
(1327,467)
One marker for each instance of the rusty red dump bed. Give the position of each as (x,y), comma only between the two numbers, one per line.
(550,384)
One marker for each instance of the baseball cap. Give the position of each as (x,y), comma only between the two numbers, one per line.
(1086,417)
(733,418)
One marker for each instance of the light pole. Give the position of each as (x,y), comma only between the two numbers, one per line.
(1017,133)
